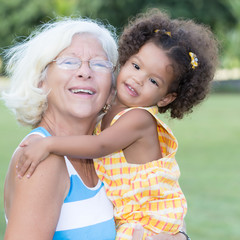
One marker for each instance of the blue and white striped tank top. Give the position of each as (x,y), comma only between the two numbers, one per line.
(87,213)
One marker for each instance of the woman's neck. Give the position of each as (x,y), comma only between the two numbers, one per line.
(64,127)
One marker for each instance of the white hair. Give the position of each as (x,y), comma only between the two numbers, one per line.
(27,63)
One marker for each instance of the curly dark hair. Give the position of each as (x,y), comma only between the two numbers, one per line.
(177,37)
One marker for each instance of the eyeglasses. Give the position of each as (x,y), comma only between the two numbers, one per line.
(71,63)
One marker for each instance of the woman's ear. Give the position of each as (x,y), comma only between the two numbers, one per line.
(42,77)
(170,97)
(111,96)
(109,101)
(40,84)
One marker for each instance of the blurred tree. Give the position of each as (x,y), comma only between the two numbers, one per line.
(115,12)
(19,17)
(221,15)
(214,13)
(231,38)
(64,7)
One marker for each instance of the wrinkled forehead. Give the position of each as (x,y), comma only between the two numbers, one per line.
(85,45)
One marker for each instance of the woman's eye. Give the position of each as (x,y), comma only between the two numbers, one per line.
(153,81)
(68,63)
(136,66)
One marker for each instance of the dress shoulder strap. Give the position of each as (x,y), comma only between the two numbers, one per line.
(153,110)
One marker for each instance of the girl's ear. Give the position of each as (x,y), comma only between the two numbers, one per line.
(167,99)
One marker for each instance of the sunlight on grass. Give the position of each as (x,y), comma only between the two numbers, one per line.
(11,135)
(209,160)
(208,156)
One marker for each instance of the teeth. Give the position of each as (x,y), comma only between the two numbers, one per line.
(131,88)
(82,91)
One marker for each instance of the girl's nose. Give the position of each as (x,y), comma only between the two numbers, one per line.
(139,80)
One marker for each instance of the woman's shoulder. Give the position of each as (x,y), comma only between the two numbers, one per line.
(49,181)
(49,173)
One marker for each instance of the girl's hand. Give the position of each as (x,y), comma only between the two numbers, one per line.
(138,232)
(138,235)
(32,152)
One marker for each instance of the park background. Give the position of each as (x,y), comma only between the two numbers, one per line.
(209,138)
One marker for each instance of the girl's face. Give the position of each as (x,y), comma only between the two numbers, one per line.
(145,78)
(81,92)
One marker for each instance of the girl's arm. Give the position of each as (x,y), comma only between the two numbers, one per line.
(128,129)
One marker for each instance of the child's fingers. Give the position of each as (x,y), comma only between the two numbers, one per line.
(138,232)
(31,169)
(18,155)
(166,236)
(24,143)
(21,160)
(22,167)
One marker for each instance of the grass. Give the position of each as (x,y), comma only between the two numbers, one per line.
(209,158)
(10,136)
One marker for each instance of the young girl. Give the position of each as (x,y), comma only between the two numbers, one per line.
(165,65)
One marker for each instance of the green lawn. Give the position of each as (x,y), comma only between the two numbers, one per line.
(209,158)
(10,135)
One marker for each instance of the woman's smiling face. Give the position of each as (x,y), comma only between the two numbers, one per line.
(81,92)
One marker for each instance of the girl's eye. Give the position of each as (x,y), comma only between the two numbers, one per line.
(136,66)
(153,81)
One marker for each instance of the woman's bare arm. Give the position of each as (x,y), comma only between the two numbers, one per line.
(35,203)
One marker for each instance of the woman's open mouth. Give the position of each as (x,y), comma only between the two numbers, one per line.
(82,91)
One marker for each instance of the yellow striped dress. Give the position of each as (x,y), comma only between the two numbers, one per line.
(149,193)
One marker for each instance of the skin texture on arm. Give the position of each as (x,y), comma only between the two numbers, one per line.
(34,204)
(133,126)
(138,235)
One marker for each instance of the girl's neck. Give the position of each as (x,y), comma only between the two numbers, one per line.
(118,105)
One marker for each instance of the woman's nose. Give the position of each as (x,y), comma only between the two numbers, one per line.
(84,71)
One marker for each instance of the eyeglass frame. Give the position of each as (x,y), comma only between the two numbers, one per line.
(107,69)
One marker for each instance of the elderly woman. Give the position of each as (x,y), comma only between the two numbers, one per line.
(61,77)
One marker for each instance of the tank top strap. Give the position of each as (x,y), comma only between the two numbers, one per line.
(70,168)
(44,133)
(41,131)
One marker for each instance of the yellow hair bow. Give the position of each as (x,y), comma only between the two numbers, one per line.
(194,60)
(165,32)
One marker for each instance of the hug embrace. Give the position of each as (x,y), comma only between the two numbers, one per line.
(107,161)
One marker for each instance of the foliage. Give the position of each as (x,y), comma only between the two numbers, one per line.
(19,17)
(231,38)
(213,13)
(11,135)
(221,15)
